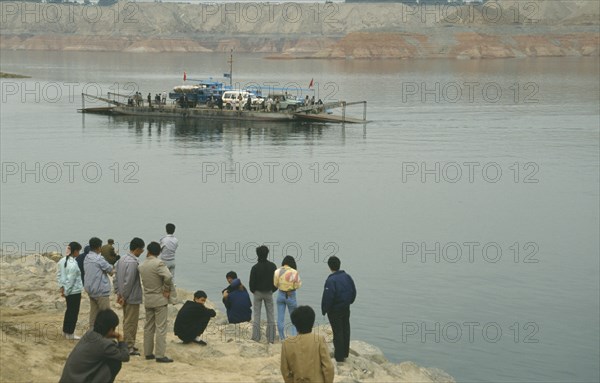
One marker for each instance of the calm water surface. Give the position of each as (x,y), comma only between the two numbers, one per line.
(466,211)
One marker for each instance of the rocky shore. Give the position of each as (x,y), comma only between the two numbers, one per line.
(33,349)
(498,29)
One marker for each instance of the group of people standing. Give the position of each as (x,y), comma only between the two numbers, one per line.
(138,100)
(152,282)
(304,357)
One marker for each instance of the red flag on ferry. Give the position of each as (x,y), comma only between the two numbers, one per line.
(311,83)
(184,76)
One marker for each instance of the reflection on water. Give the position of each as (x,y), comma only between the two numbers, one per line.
(368,212)
(276,133)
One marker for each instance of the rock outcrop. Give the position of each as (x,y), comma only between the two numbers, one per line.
(34,350)
(498,29)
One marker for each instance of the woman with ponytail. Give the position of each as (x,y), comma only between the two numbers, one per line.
(287,280)
(68,276)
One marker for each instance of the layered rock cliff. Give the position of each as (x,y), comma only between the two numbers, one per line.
(505,28)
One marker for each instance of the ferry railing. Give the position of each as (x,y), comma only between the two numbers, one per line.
(333,105)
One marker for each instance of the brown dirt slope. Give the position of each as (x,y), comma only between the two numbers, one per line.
(504,28)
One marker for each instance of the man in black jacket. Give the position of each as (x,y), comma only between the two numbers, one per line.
(80,259)
(261,286)
(338,295)
(193,319)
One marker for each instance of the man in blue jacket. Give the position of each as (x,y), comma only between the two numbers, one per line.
(339,294)
(96,282)
(237,300)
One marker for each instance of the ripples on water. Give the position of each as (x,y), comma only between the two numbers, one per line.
(367,216)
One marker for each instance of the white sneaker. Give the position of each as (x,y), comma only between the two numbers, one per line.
(72,337)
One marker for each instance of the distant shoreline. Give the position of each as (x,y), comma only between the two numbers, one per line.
(460,45)
(12,75)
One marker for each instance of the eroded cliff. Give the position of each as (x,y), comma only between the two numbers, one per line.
(301,30)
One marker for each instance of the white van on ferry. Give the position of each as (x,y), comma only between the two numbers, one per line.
(231,99)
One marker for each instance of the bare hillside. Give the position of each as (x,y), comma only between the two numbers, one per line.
(506,28)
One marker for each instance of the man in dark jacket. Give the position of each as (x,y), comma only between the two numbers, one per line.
(338,295)
(237,301)
(109,253)
(80,259)
(193,319)
(261,286)
(96,358)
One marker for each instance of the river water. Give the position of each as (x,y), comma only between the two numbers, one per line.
(467,210)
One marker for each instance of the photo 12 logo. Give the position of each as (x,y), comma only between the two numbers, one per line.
(226,333)
(68,172)
(238,252)
(269,172)
(469,92)
(313,90)
(469,172)
(32,332)
(482,12)
(68,13)
(15,251)
(56,92)
(269,12)
(470,332)
(20,251)
(469,252)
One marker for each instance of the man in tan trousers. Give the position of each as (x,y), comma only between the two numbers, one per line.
(157,282)
(128,288)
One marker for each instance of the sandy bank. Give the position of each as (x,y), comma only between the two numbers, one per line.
(503,29)
(33,349)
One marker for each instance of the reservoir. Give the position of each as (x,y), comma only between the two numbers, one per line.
(467,210)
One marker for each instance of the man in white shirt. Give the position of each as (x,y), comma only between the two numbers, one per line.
(168,246)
